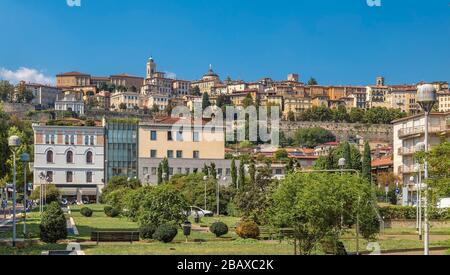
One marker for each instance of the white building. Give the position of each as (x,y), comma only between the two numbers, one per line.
(70,103)
(72,158)
(444,101)
(410,131)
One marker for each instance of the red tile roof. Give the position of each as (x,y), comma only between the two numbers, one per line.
(73,74)
(387,161)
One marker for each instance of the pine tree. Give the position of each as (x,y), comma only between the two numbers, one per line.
(205,170)
(213,171)
(233,173)
(367,163)
(166,169)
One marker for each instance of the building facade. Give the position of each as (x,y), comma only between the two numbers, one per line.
(70,103)
(72,158)
(187,149)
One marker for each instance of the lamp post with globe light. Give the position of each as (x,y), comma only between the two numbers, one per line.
(426,98)
(14,143)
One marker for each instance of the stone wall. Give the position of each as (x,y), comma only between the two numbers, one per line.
(17,109)
(344,131)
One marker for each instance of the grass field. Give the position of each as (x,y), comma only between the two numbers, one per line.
(200,243)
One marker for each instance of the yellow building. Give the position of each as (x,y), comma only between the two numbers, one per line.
(187,149)
(72,80)
(444,101)
(404,100)
(208,82)
(297,105)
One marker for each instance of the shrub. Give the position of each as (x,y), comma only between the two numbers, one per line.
(165,233)
(146,232)
(87,212)
(111,212)
(248,230)
(409,213)
(219,229)
(53,226)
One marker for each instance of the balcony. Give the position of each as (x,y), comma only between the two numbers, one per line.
(406,151)
(419,130)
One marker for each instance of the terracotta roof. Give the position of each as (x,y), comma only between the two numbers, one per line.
(174,120)
(125,75)
(387,161)
(73,74)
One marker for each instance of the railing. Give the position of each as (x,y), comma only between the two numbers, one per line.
(406,151)
(421,130)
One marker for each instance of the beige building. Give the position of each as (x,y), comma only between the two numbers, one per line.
(410,131)
(208,82)
(444,101)
(128,81)
(131,100)
(404,100)
(297,105)
(188,149)
(72,79)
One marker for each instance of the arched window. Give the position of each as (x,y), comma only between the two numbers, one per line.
(89,157)
(50,157)
(69,157)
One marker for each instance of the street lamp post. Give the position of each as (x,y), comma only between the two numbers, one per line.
(426,98)
(25,158)
(14,143)
(205,179)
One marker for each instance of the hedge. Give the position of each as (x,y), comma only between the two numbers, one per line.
(409,213)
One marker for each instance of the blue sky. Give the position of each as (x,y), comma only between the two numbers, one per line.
(337,42)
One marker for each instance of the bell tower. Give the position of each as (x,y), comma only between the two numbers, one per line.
(151,68)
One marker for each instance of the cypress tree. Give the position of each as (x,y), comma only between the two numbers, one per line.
(347,154)
(241,175)
(252,172)
(205,101)
(233,173)
(160,172)
(367,163)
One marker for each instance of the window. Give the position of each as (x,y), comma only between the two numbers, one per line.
(89,158)
(170,171)
(66,139)
(72,140)
(187,171)
(47,139)
(196,155)
(179,154)
(228,172)
(89,177)
(153,135)
(86,140)
(145,170)
(50,157)
(49,176)
(278,171)
(169,136)
(195,137)
(52,139)
(220,171)
(180,136)
(69,157)
(153,153)
(154,171)
(69,177)
(179,171)
(170,154)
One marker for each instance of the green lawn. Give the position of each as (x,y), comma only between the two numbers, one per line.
(33,222)
(238,247)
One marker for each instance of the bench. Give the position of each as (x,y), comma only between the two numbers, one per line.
(266,233)
(285,233)
(115,236)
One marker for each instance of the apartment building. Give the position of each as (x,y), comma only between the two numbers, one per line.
(70,157)
(296,105)
(410,131)
(444,101)
(188,148)
(130,100)
(404,99)
(44,95)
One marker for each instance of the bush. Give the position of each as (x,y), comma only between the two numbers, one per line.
(248,230)
(165,233)
(219,229)
(146,232)
(111,212)
(53,226)
(87,212)
(409,213)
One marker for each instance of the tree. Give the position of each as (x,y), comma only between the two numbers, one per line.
(213,171)
(320,206)
(439,169)
(53,225)
(51,193)
(119,182)
(166,170)
(291,165)
(6,91)
(281,154)
(160,174)
(162,204)
(241,180)
(248,101)
(252,172)
(233,172)
(341,115)
(356,115)
(312,81)
(205,170)
(367,163)
(311,137)
(196,91)
(332,160)
(123,106)
(347,156)
(205,101)
(291,116)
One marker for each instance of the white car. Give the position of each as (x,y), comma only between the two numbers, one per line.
(194,210)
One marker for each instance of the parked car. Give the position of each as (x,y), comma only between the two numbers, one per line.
(194,210)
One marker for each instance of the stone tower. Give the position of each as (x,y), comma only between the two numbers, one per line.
(380,81)
(151,68)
